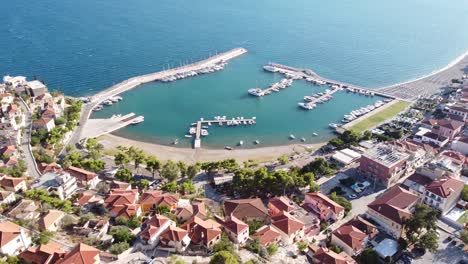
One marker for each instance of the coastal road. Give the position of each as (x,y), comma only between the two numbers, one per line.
(25,146)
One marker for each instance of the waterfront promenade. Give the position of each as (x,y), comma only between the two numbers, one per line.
(134,82)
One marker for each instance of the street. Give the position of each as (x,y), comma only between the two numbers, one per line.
(26,150)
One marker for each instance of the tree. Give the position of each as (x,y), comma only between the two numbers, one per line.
(118,248)
(67,221)
(335,248)
(368,256)
(122,234)
(138,157)
(170,170)
(464,193)
(314,187)
(224,244)
(85,218)
(254,225)
(302,246)
(42,238)
(182,168)
(428,241)
(254,246)
(424,219)
(193,170)
(188,187)
(121,159)
(283,159)
(124,175)
(170,187)
(464,236)
(223,257)
(163,210)
(272,249)
(152,164)
(144,184)
(319,167)
(341,201)
(103,187)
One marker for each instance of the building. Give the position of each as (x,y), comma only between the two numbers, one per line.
(81,254)
(50,221)
(290,228)
(43,254)
(278,205)
(175,239)
(7,197)
(123,203)
(151,200)
(459,110)
(246,209)
(94,228)
(36,88)
(354,236)
(154,228)
(267,235)
(443,194)
(26,210)
(13,239)
(383,164)
(432,138)
(84,178)
(324,207)
(326,256)
(237,231)
(13,184)
(448,163)
(203,233)
(460,144)
(417,183)
(61,183)
(391,209)
(44,123)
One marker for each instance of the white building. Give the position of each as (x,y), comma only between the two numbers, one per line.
(13,238)
(460,145)
(60,182)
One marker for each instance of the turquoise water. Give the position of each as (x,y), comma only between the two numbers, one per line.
(81,47)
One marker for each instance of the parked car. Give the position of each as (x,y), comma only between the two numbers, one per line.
(352,196)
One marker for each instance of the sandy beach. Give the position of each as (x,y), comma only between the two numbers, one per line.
(187,155)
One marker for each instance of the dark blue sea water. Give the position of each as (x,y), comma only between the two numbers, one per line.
(81,47)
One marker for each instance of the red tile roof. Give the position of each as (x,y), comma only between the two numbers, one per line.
(326,256)
(8,232)
(153,226)
(202,231)
(266,234)
(445,187)
(81,254)
(395,204)
(235,225)
(8,150)
(11,181)
(158,198)
(81,174)
(287,223)
(245,208)
(174,233)
(351,236)
(48,253)
(281,204)
(326,202)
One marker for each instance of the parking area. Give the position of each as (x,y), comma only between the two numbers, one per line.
(448,252)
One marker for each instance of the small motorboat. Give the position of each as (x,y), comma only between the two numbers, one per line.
(241,143)
(188,136)
(292,136)
(176,141)
(303,139)
(256,142)
(228,148)
(315,134)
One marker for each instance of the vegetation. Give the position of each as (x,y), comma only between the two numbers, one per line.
(193,170)
(133,222)
(421,227)
(302,246)
(42,238)
(153,164)
(17,170)
(464,194)
(118,248)
(380,117)
(254,225)
(224,244)
(283,159)
(464,236)
(335,248)
(170,186)
(229,165)
(368,256)
(44,197)
(342,201)
(124,175)
(319,167)
(122,234)
(224,257)
(170,170)
(188,187)
(272,249)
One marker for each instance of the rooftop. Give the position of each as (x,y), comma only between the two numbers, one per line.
(386,155)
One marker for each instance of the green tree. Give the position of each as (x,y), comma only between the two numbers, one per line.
(121,159)
(254,246)
(122,234)
(254,225)
(170,187)
(224,244)
(302,246)
(368,256)
(335,248)
(182,168)
(144,184)
(314,187)
(283,159)
(152,164)
(223,257)
(424,219)
(163,210)
(124,175)
(193,170)
(272,249)
(170,170)
(428,241)
(464,194)
(341,201)
(188,187)
(464,236)
(42,238)
(118,248)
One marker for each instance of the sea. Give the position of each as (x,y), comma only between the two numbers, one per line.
(82,47)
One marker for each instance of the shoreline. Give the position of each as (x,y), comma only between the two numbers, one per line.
(189,155)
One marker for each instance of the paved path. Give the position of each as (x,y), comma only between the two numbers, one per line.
(25,142)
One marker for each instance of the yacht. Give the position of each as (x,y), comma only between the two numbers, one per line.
(107,102)
(315,134)
(256,92)
(270,68)
(138,120)
(308,98)
(306,106)
(292,136)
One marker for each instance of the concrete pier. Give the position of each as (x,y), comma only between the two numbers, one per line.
(98,127)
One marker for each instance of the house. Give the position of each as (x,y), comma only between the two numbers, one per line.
(383,164)
(50,221)
(26,210)
(324,207)
(237,231)
(13,238)
(49,253)
(154,228)
(459,110)
(52,167)
(13,184)
(44,123)
(7,151)
(391,209)
(186,212)
(81,254)
(432,138)
(444,127)
(86,199)
(14,82)
(417,183)
(83,177)
(61,183)
(175,239)
(204,233)
(122,203)
(327,256)
(93,228)
(460,144)
(291,229)
(7,197)
(246,209)
(350,239)
(6,98)
(36,88)
(120,185)
(278,205)
(448,163)
(150,200)
(267,235)
(443,194)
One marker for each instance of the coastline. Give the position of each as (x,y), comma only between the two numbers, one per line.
(188,155)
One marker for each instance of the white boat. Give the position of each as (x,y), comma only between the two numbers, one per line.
(308,98)
(241,143)
(333,125)
(307,106)
(270,68)
(97,108)
(256,92)
(292,136)
(315,134)
(303,139)
(192,130)
(205,127)
(107,102)
(204,132)
(256,142)
(228,148)
(176,141)
(188,136)
(138,120)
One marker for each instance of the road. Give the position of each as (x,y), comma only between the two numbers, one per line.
(25,146)
(446,253)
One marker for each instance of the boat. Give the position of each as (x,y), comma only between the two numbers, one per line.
(176,141)
(292,136)
(138,120)
(188,136)
(306,106)
(308,98)
(315,134)
(303,139)
(256,142)
(97,108)
(256,92)
(192,130)
(333,125)
(270,68)
(205,127)
(228,148)
(241,143)
(204,132)
(107,102)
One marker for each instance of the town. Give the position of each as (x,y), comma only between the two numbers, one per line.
(396,193)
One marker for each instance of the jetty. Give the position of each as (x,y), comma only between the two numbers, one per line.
(219,121)
(321,99)
(101,126)
(283,84)
(129,84)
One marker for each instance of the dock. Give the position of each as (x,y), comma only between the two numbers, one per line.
(327,94)
(200,123)
(101,126)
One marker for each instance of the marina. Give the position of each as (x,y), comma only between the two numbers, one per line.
(319,98)
(283,84)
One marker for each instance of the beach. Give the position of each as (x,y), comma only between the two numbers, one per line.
(111,142)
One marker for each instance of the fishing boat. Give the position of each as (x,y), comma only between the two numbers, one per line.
(256,92)
(204,132)
(307,106)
